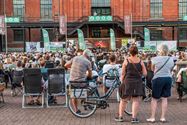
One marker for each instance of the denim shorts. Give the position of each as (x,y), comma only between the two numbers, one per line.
(161,87)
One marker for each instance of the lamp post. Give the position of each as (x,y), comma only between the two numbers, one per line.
(6,46)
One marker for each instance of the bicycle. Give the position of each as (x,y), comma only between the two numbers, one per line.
(88,99)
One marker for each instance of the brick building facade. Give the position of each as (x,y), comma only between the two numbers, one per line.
(162,17)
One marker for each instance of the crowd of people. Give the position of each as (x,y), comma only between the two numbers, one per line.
(157,68)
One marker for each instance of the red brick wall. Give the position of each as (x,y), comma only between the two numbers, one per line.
(1,7)
(32,10)
(9,7)
(76,9)
(170,10)
(35,35)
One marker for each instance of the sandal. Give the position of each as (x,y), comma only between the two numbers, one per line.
(163,120)
(38,102)
(30,102)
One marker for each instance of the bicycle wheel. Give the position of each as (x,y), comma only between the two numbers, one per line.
(128,109)
(85,107)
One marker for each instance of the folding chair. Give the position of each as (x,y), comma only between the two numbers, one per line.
(56,85)
(32,86)
(182,87)
(1,95)
(16,82)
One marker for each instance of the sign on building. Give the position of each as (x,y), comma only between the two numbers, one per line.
(12,19)
(63,25)
(100,18)
(2,25)
(128,24)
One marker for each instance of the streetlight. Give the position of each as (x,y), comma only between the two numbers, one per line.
(6,46)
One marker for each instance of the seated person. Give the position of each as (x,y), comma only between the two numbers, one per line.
(31,98)
(80,71)
(17,77)
(181,79)
(112,65)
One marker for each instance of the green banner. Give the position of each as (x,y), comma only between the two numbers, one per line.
(82,44)
(100,18)
(146,39)
(146,34)
(112,40)
(46,40)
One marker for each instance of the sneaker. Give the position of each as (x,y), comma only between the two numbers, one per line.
(78,112)
(119,119)
(134,120)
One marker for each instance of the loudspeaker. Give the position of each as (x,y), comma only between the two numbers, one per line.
(41,44)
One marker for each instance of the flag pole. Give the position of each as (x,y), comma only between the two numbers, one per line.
(66,31)
(6,44)
(131,26)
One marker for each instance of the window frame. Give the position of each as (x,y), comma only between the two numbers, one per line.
(100,3)
(21,37)
(19,8)
(157,33)
(46,9)
(102,9)
(182,7)
(156,9)
(183,32)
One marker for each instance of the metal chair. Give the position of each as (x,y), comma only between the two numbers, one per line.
(2,87)
(16,82)
(56,85)
(32,86)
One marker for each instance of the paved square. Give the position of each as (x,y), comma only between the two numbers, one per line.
(13,114)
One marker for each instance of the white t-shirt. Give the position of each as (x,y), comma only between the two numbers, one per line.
(107,67)
(159,61)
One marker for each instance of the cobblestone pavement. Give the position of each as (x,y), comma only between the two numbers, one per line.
(12,114)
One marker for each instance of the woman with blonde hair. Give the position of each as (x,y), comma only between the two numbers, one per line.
(162,81)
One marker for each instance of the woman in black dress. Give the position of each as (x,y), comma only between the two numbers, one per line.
(132,87)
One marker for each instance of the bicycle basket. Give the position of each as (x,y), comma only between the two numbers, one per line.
(79,93)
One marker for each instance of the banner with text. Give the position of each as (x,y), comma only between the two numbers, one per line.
(63,25)
(2,25)
(154,45)
(172,45)
(33,47)
(57,46)
(127,24)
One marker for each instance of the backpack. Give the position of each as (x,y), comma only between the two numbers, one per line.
(109,77)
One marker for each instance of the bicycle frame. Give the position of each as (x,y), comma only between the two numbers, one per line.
(94,90)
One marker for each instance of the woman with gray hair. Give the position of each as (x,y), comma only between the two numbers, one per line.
(161,83)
